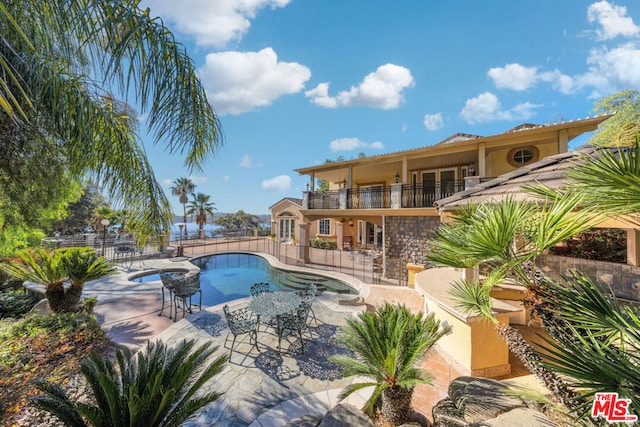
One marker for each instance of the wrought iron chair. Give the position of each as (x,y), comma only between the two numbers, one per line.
(259,288)
(308,295)
(169,278)
(241,321)
(295,321)
(183,290)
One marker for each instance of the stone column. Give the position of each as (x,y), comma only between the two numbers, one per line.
(305,199)
(396,196)
(342,198)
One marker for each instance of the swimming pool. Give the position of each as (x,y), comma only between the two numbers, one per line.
(225,277)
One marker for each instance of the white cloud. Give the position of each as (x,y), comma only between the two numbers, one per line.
(513,76)
(211,22)
(350,144)
(237,82)
(487,108)
(611,70)
(226,178)
(384,89)
(613,20)
(245,162)
(279,183)
(433,121)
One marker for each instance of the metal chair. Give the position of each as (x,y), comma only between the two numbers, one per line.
(295,321)
(259,288)
(184,289)
(168,282)
(308,295)
(241,321)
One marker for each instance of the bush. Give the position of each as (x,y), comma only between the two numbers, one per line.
(323,243)
(600,244)
(16,303)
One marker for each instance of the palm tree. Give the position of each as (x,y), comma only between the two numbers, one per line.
(60,62)
(183,187)
(203,206)
(507,237)
(155,387)
(53,268)
(388,345)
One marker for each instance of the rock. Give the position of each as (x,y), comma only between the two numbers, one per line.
(306,421)
(484,402)
(41,308)
(344,415)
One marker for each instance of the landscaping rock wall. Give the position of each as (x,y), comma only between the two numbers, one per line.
(623,279)
(405,241)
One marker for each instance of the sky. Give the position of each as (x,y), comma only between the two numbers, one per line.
(297,82)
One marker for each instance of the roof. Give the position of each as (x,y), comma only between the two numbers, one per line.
(293,200)
(520,134)
(551,171)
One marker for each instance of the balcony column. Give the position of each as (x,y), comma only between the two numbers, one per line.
(305,199)
(471,181)
(342,198)
(633,247)
(396,196)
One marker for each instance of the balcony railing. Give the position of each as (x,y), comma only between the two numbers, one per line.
(420,195)
(369,198)
(423,195)
(324,200)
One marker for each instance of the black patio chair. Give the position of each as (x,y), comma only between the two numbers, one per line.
(259,288)
(295,321)
(308,295)
(241,321)
(183,290)
(169,278)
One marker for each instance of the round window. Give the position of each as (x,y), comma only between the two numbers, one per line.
(523,156)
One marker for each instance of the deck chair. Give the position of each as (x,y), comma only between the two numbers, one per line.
(241,321)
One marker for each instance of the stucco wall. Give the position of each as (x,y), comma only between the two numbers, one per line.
(498,164)
(623,279)
(405,240)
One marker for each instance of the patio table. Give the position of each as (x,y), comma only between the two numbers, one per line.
(274,304)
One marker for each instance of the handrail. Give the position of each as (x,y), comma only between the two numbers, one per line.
(377,197)
(422,195)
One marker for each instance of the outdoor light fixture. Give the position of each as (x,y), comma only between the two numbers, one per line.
(344,183)
(307,186)
(350,223)
(472,169)
(397,177)
(105,223)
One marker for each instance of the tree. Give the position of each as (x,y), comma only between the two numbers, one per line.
(622,128)
(53,268)
(157,386)
(60,62)
(238,221)
(81,213)
(388,344)
(183,187)
(201,204)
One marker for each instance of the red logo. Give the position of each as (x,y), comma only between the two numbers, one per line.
(612,409)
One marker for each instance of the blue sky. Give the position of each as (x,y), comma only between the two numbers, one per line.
(296,82)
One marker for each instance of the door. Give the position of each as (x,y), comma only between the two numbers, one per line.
(428,188)
(287,229)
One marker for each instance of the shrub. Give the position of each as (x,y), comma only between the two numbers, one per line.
(323,243)
(16,303)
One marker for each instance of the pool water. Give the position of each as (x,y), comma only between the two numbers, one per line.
(226,277)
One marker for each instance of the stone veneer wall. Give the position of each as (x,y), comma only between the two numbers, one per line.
(405,241)
(623,279)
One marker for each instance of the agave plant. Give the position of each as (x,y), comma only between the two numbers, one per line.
(388,345)
(155,387)
(53,268)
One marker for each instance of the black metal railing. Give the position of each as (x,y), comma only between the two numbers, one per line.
(424,195)
(369,198)
(324,200)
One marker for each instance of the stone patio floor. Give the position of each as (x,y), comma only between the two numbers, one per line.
(265,387)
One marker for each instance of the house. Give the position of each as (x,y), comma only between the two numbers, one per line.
(388,202)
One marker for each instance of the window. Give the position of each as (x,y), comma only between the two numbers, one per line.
(324,226)
(522,156)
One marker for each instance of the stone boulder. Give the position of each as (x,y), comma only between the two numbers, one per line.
(481,401)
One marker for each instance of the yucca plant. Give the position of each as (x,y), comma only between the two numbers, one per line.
(158,386)
(388,344)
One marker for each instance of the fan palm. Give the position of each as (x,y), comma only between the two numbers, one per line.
(155,387)
(61,60)
(388,345)
(201,204)
(183,187)
(53,268)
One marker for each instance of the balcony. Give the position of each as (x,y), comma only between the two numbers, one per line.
(397,196)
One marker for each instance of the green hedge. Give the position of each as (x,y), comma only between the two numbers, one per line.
(323,243)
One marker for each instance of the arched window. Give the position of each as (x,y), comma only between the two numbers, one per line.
(522,156)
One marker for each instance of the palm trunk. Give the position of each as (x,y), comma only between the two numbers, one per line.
(530,359)
(63,300)
(396,405)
